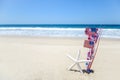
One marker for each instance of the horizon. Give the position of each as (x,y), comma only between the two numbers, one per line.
(57,24)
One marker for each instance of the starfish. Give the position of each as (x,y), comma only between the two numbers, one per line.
(77,62)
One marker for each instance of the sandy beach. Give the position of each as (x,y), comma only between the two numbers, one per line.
(44,58)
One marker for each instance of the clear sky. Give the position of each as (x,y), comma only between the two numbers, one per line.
(59,11)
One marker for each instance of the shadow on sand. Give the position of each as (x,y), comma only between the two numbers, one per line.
(84,71)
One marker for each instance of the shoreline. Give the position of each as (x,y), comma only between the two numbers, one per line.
(60,37)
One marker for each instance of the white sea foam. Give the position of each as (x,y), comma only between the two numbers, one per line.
(55,32)
(111,33)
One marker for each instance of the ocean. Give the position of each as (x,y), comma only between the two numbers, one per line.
(58,30)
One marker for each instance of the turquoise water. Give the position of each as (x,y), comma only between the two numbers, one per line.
(58,30)
(105,26)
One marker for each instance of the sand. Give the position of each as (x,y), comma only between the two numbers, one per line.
(44,58)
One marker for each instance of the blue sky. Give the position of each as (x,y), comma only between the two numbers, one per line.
(59,11)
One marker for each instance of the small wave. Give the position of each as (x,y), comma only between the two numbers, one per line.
(55,32)
(111,33)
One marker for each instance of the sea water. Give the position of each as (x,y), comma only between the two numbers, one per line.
(58,30)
